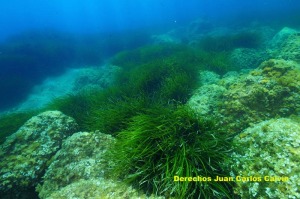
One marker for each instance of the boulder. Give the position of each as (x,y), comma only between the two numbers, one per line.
(286,45)
(247,58)
(271,90)
(269,155)
(81,169)
(25,155)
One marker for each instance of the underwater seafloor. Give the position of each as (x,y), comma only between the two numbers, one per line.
(200,111)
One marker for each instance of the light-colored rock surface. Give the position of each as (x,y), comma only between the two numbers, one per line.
(240,100)
(99,188)
(286,45)
(71,82)
(25,155)
(270,148)
(81,157)
(247,58)
(81,170)
(205,99)
(281,37)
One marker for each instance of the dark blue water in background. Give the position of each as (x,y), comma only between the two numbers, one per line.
(39,38)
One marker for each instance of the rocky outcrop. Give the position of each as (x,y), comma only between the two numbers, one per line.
(81,157)
(99,189)
(73,81)
(280,38)
(247,58)
(81,169)
(269,155)
(25,155)
(271,90)
(286,45)
(266,158)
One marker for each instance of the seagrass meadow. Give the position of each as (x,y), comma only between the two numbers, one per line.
(149,99)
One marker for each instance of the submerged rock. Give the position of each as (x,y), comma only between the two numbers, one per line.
(205,99)
(24,155)
(167,38)
(81,157)
(247,58)
(290,50)
(269,155)
(98,189)
(280,38)
(73,81)
(208,77)
(81,170)
(286,45)
(271,90)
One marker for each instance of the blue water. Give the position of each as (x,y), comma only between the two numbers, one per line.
(90,16)
(39,38)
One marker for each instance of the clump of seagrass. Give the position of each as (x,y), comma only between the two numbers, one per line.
(164,142)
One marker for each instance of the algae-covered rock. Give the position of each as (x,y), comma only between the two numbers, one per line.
(204,100)
(81,157)
(282,36)
(208,77)
(238,101)
(73,81)
(25,154)
(266,150)
(290,50)
(247,58)
(81,170)
(286,45)
(93,78)
(270,91)
(98,188)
